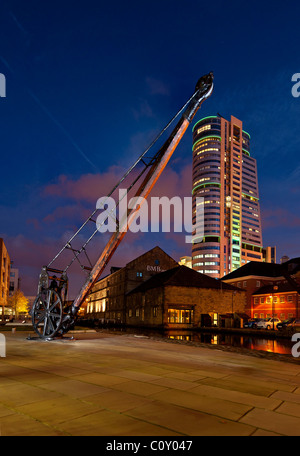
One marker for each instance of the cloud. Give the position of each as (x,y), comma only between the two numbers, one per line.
(88,187)
(71,201)
(157,87)
(143,110)
(279,218)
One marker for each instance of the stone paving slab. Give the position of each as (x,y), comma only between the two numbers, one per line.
(191,422)
(107,423)
(118,401)
(24,426)
(273,421)
(286,397)
(249,399)
(210,405)
(56,411)
(106,384)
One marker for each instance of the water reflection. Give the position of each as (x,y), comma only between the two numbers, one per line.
(280,346)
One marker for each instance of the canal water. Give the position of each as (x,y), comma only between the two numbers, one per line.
(278,345)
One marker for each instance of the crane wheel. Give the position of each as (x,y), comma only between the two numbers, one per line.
(47,314)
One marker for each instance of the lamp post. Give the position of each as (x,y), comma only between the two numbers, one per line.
(275,288)
(233,294)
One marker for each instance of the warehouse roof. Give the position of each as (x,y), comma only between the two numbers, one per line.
(261,269)
(182,276)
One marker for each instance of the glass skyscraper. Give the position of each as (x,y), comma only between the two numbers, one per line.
(225,176)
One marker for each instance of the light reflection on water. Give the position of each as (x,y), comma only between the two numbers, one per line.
(280,345)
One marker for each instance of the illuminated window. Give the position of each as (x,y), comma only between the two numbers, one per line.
(180,316)
(205,127)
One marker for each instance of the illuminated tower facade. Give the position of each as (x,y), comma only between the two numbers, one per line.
(225,181)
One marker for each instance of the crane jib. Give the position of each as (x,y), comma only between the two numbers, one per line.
(51,316)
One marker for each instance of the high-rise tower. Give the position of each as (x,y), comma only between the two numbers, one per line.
(225,175)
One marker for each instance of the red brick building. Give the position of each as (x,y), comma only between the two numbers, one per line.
(272,289)
(280,301)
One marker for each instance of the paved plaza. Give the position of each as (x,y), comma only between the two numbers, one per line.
(105,384)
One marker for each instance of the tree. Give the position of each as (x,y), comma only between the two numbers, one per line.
(19,303)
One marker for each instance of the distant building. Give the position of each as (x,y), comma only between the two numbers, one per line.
(269,254)
(5,311)
(13,281)
(278,301)
(284,259)
(225,175)
(267,284)
(185,261)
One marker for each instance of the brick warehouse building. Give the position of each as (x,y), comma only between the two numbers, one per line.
(174,296)
(106,301)
(183,298)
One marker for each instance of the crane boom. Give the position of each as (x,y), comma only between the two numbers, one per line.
(49,316)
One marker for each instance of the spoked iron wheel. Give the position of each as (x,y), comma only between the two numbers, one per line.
(47,314)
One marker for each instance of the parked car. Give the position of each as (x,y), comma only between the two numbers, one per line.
(268,323)
(252,323)
(284,323)
(294,325)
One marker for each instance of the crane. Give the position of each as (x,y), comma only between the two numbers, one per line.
(52,315)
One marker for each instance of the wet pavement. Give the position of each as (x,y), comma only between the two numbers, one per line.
(105,384)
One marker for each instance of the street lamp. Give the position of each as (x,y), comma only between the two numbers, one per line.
(275,288)
(233,294)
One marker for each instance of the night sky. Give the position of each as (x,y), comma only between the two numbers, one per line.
(90,84)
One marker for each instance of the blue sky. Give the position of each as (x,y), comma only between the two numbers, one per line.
(90,84)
